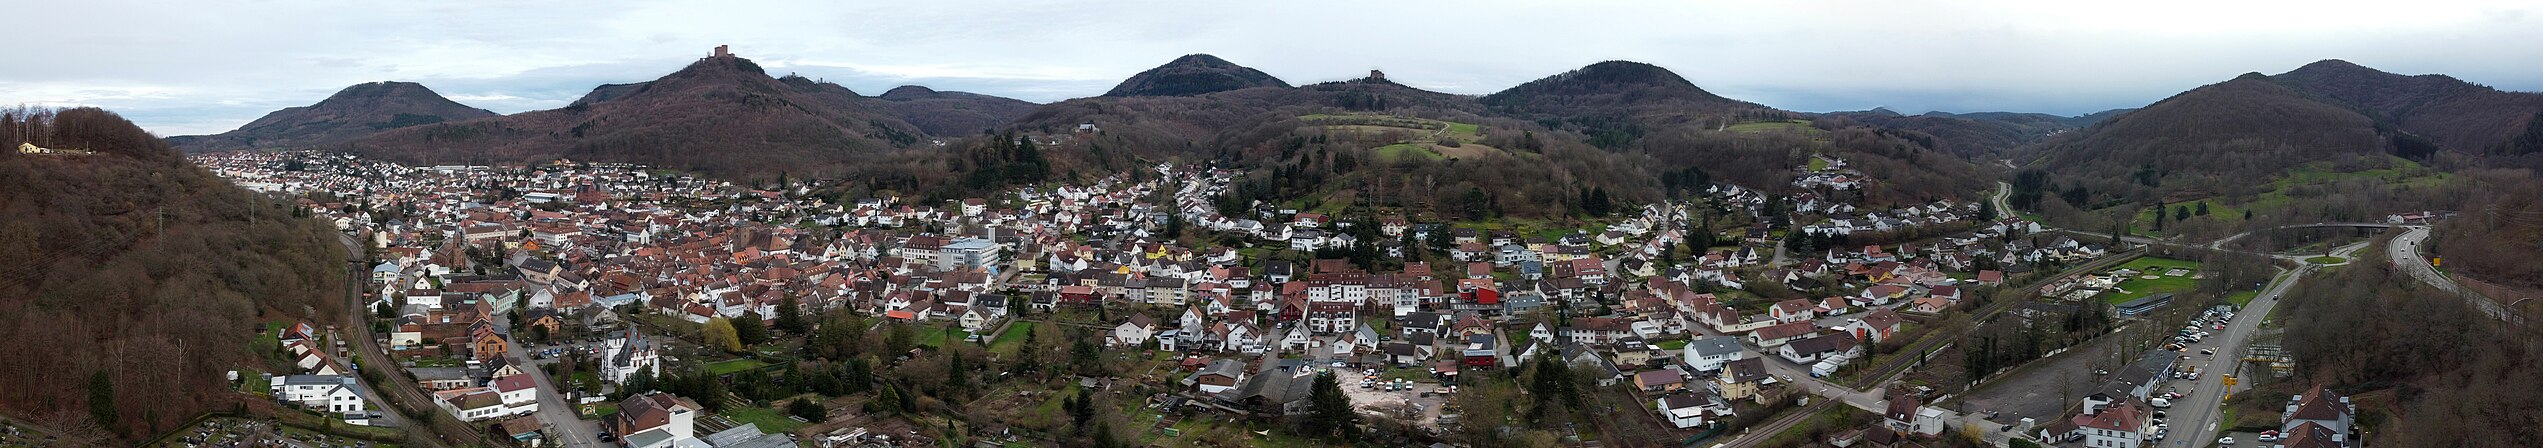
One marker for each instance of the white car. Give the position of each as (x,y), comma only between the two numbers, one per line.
(2225,441)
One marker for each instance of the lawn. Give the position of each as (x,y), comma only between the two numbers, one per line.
(2326,260)
(935,336)
(1673,344)
(1794,126)
(769,420)
(1407,151)
(1818,164)
(255,383)
(2140,287)
(2240,298)
(1012,340)
(734,365)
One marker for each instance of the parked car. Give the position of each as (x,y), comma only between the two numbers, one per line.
(2225,441)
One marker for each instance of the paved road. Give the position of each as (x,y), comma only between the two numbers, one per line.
(2197,414)
(563,423)
(2404,251)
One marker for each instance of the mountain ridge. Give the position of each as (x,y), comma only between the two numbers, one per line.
(354,112)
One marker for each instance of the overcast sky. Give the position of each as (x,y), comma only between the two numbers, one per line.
(193,67)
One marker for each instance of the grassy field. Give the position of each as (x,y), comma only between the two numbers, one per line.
(2240,298)
(2326,260)
(1794,126)
(2138,286)
(734,365)
(1407,151)
(769,420)
(1012,340)
(1818,164)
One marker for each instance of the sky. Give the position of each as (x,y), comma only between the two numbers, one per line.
(198,67)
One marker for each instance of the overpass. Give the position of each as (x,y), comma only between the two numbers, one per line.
(2220,244)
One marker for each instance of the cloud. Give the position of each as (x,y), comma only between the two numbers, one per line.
(205,68)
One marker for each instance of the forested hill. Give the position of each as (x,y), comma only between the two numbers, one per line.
(355,112)
(721,115)
(128,273)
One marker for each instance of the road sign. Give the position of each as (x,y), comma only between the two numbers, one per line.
(2439,261)
(2229,380)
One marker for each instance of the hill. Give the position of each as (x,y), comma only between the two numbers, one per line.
(130,272)
(1193,74)
(2224,137)
(722,115)
(2456,115)
(953,113)
(355,112)
(1612,94)
(1978,135)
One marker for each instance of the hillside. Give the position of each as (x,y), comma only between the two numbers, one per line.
(1193,74)
(1979,135)
(355,112)
(1609,95)
(2458,116)
(2224,137)
(722,115)
(132,266)
(953,113)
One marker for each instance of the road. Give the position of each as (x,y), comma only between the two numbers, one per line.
(2404,251)
(2198,413)
(564,425)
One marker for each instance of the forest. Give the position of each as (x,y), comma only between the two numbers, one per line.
(2459,378)
(131,280)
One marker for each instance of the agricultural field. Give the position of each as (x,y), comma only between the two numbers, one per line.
(1793,126)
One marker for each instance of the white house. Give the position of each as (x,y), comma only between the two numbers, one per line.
(331,393)
(1708,353)
(1132,332)
(1689,408)
(627,355)
(520,393)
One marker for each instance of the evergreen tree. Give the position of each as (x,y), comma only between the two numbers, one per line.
(887,402)
(2180,212)
(1329,412)
(790,316)
(749,329)
(2160,215)
(2202,208)
(101,400)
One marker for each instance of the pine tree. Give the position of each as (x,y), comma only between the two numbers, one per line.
(790,316)
(1329,412)
(101,400)
(2202,208)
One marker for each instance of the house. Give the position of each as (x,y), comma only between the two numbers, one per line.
(1928,305)
(1280,389)
(2125,425)
(1794,310)
(1875,327)
(1659,381)
(524,429)
(520,393)
(1706,354)
(655,420)
(1220,376)
(1693,408)
(1741,378)
(471,404)
(328,393)
(1132,332)
(2320,407)
(1778,334)
(1810,350)
(1907,414)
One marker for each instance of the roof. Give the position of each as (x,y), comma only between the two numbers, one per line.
(1714,345)
(1657,377)
(2128,416)
(515,383)
(1786,331)
(1745,370)
(2318,404)
(747,435)
(1831,342)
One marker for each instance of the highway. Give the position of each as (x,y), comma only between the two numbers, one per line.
(2404,252)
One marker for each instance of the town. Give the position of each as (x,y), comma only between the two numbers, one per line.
(577,303)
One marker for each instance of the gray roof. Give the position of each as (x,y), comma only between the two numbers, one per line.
(1714,345)
(747,435)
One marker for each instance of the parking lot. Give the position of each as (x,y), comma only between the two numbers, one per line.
(1415,401)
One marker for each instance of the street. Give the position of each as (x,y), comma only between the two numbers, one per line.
(2198,412)
(564,424)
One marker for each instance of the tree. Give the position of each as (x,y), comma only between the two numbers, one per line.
(887,402)
(808,410)
(2180,212)
(1329,412)
(2160,215)
(101,399)
(957,376)
(2247,214)
(386,312)
(719,334)
(1986,211)
(2202,208)
(749,329)
(898,338)
(790,316)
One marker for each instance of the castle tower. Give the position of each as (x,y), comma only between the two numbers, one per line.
(723,51)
